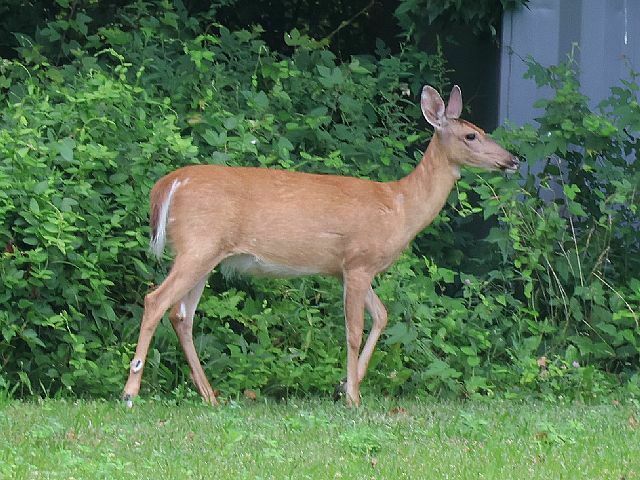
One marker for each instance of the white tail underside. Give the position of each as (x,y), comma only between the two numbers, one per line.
(158,242)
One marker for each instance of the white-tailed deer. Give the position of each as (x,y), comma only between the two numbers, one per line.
(280,223)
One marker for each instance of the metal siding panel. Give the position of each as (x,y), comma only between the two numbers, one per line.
(593,42)
(632,24)
(536,34)
(608,39)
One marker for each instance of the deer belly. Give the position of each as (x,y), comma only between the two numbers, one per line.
(246,264)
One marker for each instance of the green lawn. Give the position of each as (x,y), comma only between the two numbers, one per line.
(319,439)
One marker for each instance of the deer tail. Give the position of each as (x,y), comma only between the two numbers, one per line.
(161,195)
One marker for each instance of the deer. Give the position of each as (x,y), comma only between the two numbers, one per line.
(279,223)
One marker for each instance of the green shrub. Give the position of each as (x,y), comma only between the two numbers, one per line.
(573,236)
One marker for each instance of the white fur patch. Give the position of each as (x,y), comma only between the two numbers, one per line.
(158,242)
(246,264)
(136,365)
(183,310)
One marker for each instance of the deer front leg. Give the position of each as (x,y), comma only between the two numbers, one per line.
(378,313)
(355,290)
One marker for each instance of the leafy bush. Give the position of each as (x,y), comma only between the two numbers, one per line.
(545,301)
(481,16)
(80,149)
(573,236)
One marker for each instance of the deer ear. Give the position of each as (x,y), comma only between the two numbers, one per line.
(432,107)
(454,107)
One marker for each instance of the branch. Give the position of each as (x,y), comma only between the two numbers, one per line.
(346,23)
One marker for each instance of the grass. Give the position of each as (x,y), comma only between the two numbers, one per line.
(309,439)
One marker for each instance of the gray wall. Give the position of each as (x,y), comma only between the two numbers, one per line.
(607,33)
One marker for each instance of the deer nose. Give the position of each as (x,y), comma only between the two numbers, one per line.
(510,165)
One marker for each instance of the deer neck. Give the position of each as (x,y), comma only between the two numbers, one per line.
(426,188)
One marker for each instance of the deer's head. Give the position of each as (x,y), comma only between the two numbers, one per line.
(462,142)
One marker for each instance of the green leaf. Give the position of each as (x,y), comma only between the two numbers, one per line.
(608,329)
(576,209)
(261,101)
(24,379)
(324,71)
(51,227)
(68,204)
(115,36)
(118,178)
(489,209)
(441,369)
(355,67)
(65,148)
(33,206)
(31,337)
(41,187)
(400,333)
(473,361)
(468,350)
(570,191)
(214,139)
(8,332)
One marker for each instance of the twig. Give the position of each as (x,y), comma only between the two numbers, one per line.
(573,231)
(563,293)
(346,23)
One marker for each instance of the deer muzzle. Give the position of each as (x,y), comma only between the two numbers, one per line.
(510,165)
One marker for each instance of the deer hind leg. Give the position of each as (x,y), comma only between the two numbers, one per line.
(184,276)
(181,317)
(378,313)
(355,290)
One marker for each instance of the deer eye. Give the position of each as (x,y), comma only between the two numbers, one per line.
(470,136)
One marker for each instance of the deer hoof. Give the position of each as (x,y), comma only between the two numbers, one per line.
(340,391)
(128,400)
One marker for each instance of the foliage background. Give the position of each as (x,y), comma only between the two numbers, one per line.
(522,285)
